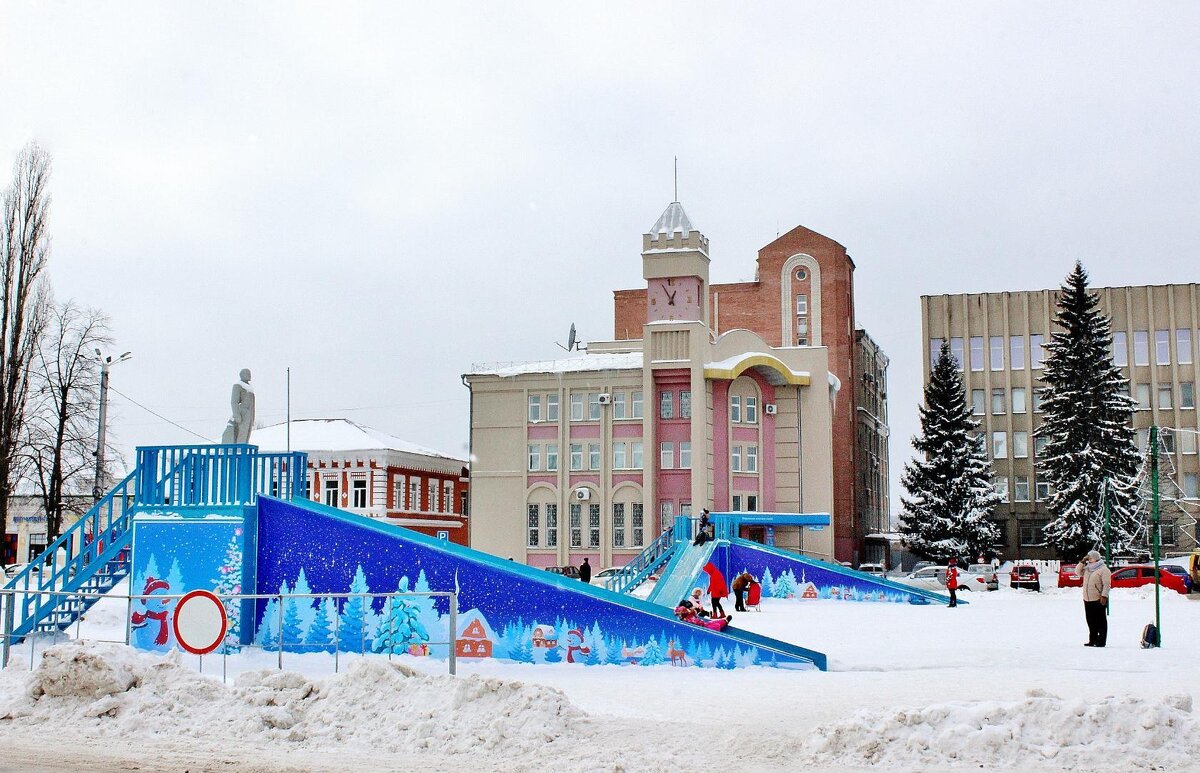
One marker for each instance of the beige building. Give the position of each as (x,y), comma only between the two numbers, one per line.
(998,339)
(593,455)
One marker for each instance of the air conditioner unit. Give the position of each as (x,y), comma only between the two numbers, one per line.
(770,408)
(582,494)
(605,399)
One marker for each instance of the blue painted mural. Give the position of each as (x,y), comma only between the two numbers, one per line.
(173,555)
(789,575)
(511,611)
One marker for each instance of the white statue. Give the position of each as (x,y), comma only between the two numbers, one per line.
(242,421)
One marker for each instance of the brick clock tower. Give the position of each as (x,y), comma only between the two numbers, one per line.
(675,267)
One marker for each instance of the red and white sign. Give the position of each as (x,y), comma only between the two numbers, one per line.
(200,622)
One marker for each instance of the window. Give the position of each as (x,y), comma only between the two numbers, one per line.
(535,408)
(638,524)
(685,455)
(977,404)
(1187,394)
(1143,397)
(331,493)
(1021,488)
(620,458)
(618,524)
(666,456)
(533,525)
(358,492)
(735,409)
(577,407)
(1016,352)
(997,347)
(737,503)
(1164,397)
(577,456)
(552,457)
(551,525)
(935,351)
(1035,351)
(448,496)
(551,407)
(997,401)
(635,407)
(1043,491)
(576,516)
(801,305)
(618,404)
(1183,346)
(1166,535)
(999,445)
(635,454)
(1039,445)
(433,495)
(685,404)
(1167,438)
(956,351)
(666,405)
(1162,347)
(666,513)
(1031,533)
(594,526)
(1038,397)
(398,493)
(414,494)
(593,406)
(751,410)
(1187,441)
(1018,400)
(1120,349)
(1020,444)
(535,457)
(751,503)
(1189,484)
(593,456)
(1141,347)
(976,352)
(736,459)
(1000,483)
(751,458)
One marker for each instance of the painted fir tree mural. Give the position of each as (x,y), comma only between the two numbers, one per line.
(229,583)
(950,497)
(1089,441)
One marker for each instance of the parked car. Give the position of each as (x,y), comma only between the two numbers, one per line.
(1182,573)
(12,570)
(929,577)
(613,571)
(565,571)
(876,569)
(978,577)
(1025,576)
(921,565)
(1138,576)
(1067,577)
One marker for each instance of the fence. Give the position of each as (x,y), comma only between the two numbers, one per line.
(11,599)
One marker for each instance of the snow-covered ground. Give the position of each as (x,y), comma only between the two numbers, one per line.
(1002,683)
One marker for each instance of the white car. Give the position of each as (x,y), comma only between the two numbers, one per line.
(929,578)
(12,570)
(612,571)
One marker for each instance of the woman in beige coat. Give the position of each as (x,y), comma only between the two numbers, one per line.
(1097,581)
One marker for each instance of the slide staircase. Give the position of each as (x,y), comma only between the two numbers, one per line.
(678,579)
(644,564)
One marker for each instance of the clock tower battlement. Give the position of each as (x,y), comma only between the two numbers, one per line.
(675,267)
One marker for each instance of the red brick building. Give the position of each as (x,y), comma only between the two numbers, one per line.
(803,295)
(371,473)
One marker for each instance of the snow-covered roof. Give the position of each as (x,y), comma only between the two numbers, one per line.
(470,616)
(316,435)
(589,362)
(672,220)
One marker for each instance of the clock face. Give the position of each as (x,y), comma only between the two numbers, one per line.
(675,298)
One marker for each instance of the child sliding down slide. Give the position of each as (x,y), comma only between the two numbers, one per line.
(687,613)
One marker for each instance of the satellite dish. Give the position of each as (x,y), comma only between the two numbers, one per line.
(572,341)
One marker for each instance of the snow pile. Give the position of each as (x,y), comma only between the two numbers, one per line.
(1041,730)
(114,691)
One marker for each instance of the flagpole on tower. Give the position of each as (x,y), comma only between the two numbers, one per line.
(676,179)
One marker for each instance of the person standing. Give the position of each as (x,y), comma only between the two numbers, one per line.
(740,584)
(702,529)
(585,571)
(952,581)
(1097,582)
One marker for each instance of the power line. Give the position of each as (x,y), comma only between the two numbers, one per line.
(159,415)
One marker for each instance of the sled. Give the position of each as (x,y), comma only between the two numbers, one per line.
(754,595)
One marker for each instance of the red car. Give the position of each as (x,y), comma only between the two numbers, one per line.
(1067,577)
(1143,574)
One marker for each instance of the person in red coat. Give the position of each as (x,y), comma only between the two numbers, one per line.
(952,581)
(717,588)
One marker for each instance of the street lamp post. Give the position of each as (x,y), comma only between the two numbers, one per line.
(105,364)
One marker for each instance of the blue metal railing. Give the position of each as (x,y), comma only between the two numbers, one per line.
(643,564)
(230,475)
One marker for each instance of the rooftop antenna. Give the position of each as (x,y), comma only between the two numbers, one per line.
(572,341)
(676,179)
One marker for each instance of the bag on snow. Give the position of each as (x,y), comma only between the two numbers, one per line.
(1150,636)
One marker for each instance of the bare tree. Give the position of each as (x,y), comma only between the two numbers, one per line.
(24,245)
(62,427)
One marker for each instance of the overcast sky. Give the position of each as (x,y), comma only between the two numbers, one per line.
(379,196)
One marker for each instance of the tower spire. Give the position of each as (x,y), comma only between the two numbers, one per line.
(676,179)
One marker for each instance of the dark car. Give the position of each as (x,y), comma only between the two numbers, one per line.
(1025,577)
(565,571)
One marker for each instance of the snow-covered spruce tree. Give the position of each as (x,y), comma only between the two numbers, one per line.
(950,493)
(1086,423)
